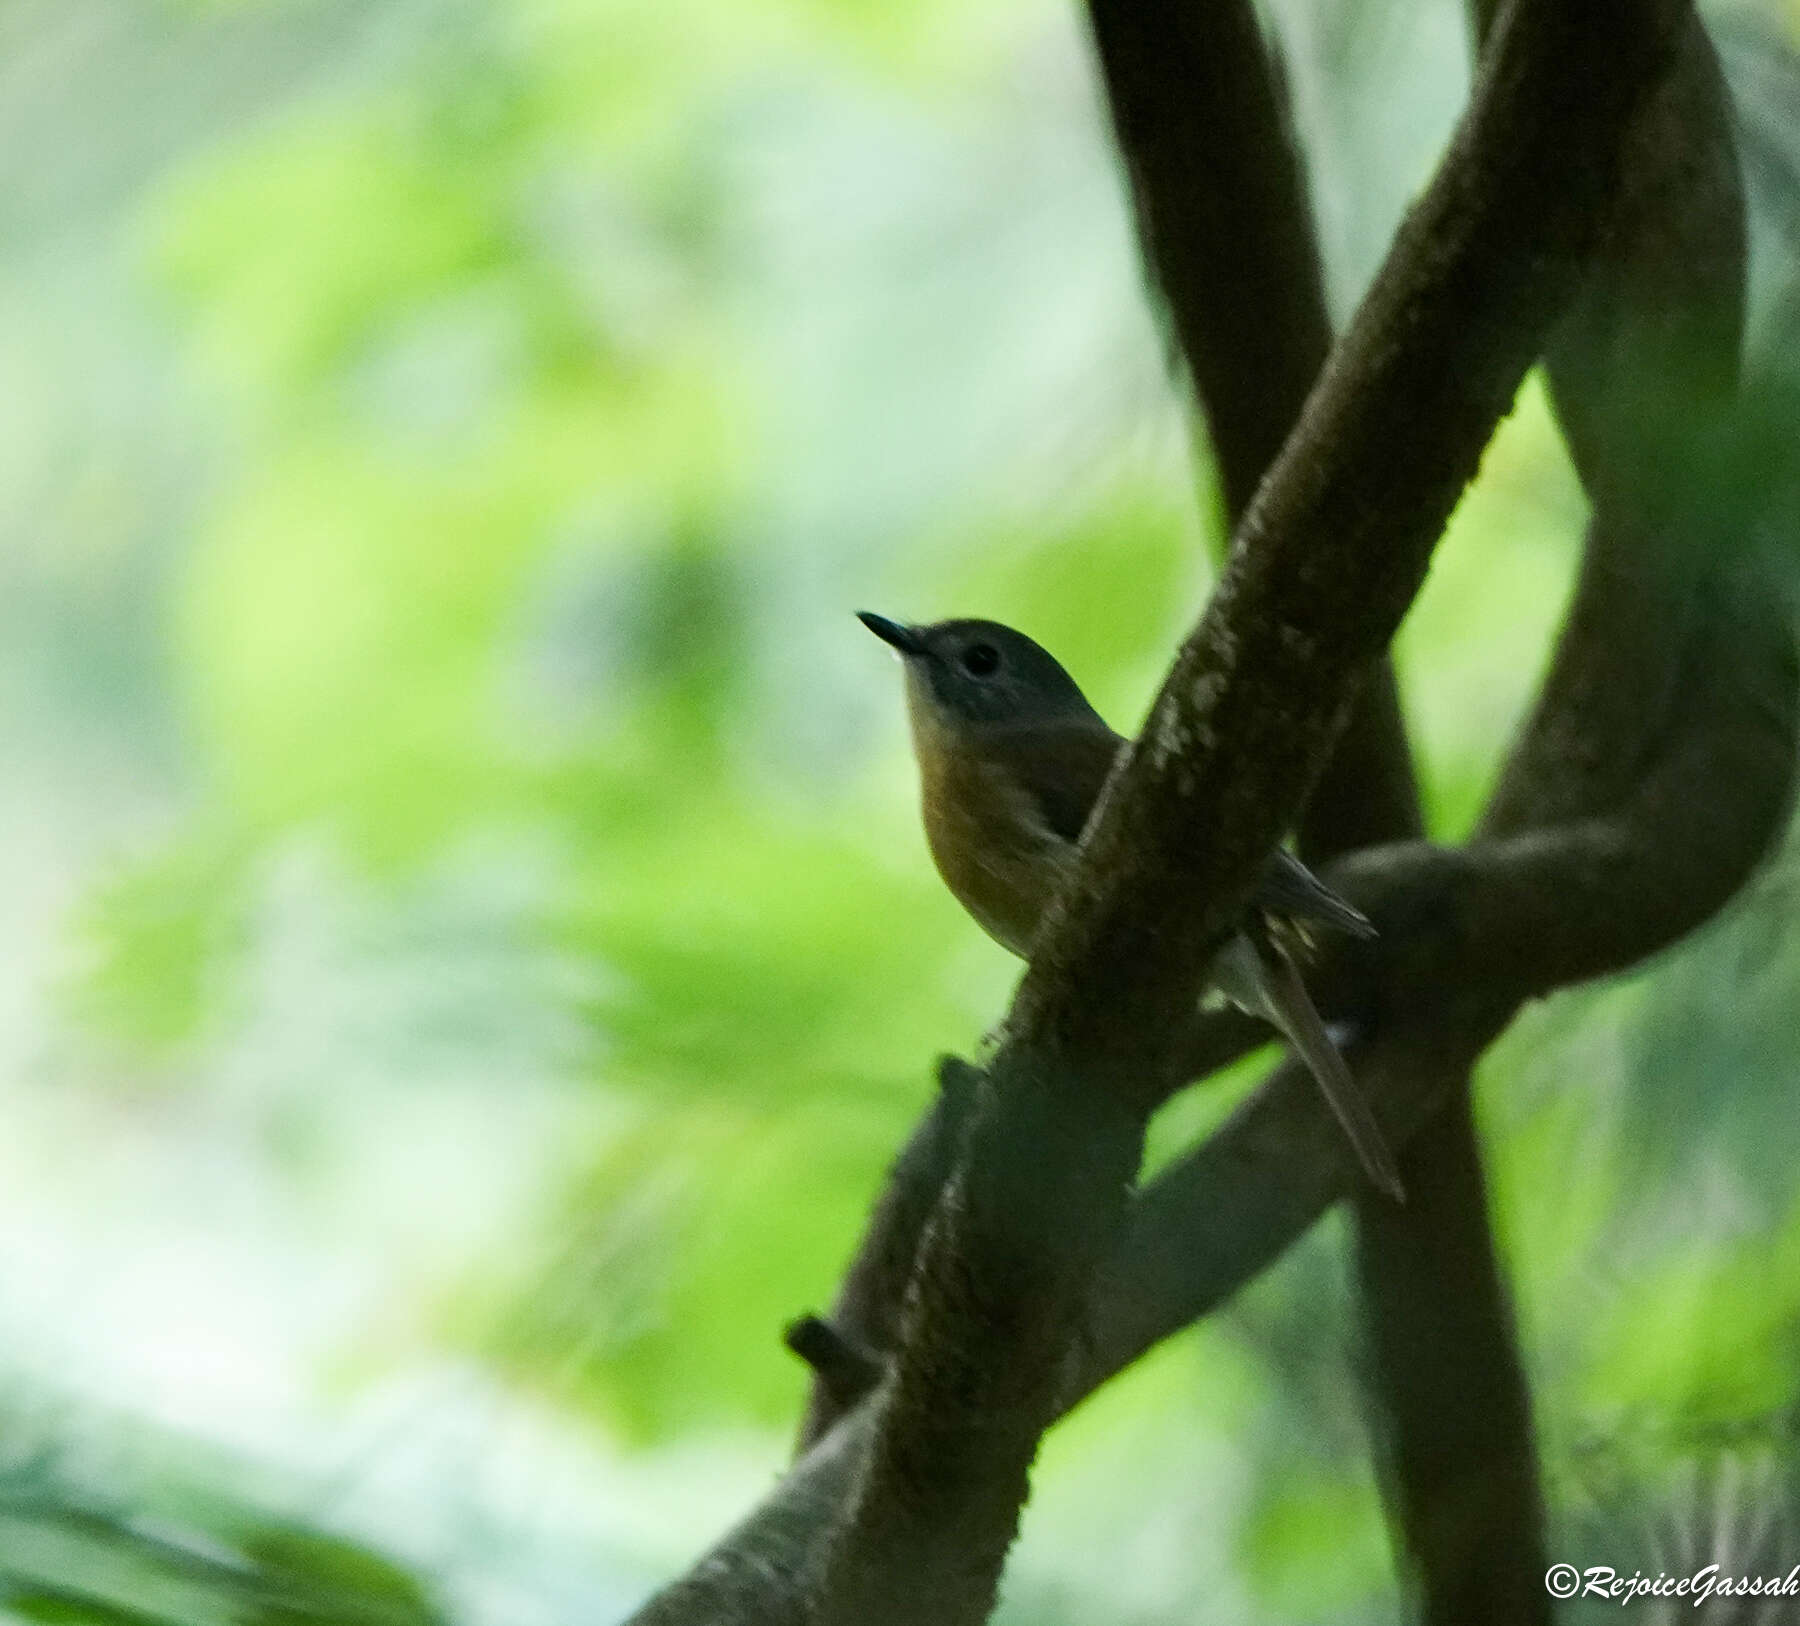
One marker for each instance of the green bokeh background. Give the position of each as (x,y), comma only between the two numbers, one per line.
(468,949)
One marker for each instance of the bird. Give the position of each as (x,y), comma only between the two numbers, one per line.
(1012,758)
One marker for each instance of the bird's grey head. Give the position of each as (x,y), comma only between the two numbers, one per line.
(980,672)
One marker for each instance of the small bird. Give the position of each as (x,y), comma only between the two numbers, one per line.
(1011,761)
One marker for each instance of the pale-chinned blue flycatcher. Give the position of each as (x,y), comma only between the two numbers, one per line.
(1011,761)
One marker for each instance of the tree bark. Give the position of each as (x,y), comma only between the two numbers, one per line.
(914,1525)
(1221,201)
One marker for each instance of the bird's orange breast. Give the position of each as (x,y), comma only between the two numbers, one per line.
(989,843)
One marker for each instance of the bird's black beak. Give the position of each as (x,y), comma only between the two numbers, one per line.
(902,638)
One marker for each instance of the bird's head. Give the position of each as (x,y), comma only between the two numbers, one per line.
(963,675)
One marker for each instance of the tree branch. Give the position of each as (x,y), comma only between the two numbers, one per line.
(867,1311)
(1328,558)
(1220,1215)
(1220,198)
(1663,307)
(1219,194)
(1221,205)
(1337,539)
(1326,561)
(1702,817)
(1221,208)
(1229,1208)
(1461,1477)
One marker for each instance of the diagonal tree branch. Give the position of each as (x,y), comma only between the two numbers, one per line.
(1237,736)
(1325,563)
(867,1312)
(1228,1209)
(1701,817)
(1218,188)
(1221,205)
(1664,298)
(1337,539)
(1220,197)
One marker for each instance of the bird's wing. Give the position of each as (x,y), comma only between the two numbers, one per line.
(1290,892)
(1060,766)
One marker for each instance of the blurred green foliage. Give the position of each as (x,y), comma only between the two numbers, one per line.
(83,1569)
(476,829)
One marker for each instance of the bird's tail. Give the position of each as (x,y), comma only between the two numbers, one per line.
(1287,1004)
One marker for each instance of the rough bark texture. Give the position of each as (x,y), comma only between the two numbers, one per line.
(1662,311)
(1219,190)
(866,1315)
(1337,538)
(1035,1273)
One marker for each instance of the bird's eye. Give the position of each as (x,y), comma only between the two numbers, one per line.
(979,660)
